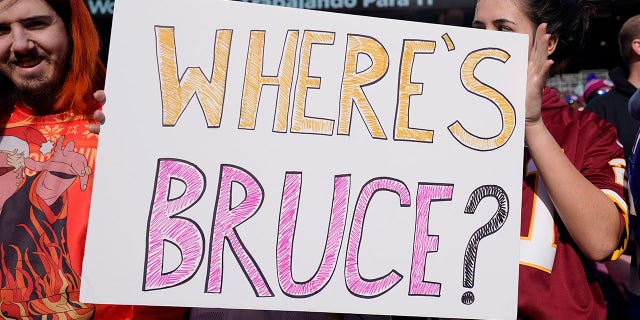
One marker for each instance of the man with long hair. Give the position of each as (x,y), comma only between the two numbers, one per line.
(49,72)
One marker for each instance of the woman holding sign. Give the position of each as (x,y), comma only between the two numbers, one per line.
(573,208)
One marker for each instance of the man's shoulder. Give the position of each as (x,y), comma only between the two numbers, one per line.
(611,99)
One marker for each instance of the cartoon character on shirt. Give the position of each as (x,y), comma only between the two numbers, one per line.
(36,277)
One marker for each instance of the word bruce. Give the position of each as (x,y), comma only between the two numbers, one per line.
(166,224)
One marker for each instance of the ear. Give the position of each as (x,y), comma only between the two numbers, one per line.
(635,46)
(553,42)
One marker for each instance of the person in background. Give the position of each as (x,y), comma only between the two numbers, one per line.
(634,107)
(49,73)
(595,86)
(573,169)
(634,189)
(612,106)
(574,101)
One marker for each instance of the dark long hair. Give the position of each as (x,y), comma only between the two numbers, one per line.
(568,20)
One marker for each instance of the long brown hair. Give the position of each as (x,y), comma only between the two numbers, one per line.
(86,73)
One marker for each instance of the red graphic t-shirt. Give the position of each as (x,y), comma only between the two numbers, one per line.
(46,190)
(46,178)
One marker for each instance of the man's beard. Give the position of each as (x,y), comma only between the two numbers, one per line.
(41,93)
(40,99)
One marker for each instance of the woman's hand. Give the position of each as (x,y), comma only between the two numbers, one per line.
(537,72)
(98,115)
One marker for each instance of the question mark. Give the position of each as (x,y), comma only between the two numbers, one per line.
(495,223)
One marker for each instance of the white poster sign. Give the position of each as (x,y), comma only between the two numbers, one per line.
(262,157)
